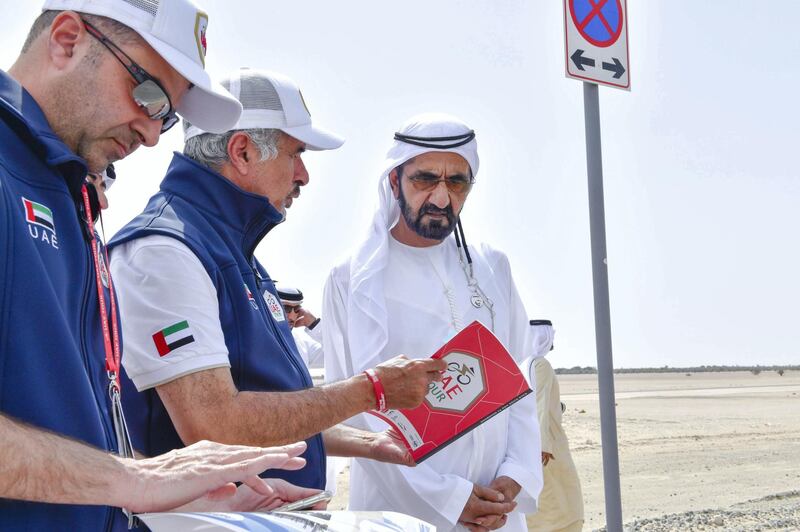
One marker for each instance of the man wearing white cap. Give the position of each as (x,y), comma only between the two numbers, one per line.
(95,80)
(409,287)
(207,340)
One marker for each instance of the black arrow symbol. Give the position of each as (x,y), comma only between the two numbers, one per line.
(579,60)
(615,67)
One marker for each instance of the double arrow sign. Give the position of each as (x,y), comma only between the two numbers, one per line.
(580,61)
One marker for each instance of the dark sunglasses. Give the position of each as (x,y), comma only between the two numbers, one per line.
(425,182)
(148,94)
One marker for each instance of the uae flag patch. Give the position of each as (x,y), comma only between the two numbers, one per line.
(175,336)
(36,213)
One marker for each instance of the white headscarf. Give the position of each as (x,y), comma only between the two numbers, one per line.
(367,319)
(540,339)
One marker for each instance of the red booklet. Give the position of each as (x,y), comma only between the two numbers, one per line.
(481,380)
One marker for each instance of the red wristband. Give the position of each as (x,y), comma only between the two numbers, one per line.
(377,386)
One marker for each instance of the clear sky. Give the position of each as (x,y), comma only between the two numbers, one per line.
(701,181)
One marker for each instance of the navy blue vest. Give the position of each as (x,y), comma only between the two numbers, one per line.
(222,225)
(52,360)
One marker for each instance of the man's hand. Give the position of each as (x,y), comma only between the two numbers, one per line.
(507,486)
(546,457)
(499,523)
(405,382)
(246,499)
(486,509)
(297,316)
(304,318)
(205,469)
(388,447)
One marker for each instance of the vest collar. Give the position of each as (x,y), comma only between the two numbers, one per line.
(249,215)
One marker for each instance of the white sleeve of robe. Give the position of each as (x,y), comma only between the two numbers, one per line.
(309,348)
(316,333)
(314,349)
(523,454)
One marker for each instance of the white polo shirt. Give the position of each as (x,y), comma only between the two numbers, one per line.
(168,311)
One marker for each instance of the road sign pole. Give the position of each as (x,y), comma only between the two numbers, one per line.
(602,313)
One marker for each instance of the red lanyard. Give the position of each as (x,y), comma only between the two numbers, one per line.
(112,354)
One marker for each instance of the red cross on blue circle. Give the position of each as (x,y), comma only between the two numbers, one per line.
(598,21)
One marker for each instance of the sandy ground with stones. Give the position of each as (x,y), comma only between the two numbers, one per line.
(709,451)
(709,441)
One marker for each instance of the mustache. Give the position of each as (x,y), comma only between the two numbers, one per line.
(429,208)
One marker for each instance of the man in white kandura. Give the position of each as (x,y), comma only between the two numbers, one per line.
(561,501)
(409,288)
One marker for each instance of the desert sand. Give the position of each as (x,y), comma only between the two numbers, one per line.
(706,451)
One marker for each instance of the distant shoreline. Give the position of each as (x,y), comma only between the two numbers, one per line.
(589,370)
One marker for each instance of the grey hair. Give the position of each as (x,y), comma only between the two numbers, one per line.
(210,149)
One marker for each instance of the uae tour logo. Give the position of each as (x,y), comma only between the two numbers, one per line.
(463,383)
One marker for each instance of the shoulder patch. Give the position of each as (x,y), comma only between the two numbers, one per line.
(171,338)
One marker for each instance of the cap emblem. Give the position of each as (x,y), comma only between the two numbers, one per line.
(200,25)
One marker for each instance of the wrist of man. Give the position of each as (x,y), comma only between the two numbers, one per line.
(126,484)
(377,388)
(365,392)
(364,443)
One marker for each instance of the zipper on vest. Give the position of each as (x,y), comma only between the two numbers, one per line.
(302,371)
(259,279)
(309,383)
(85,352)
(259,285)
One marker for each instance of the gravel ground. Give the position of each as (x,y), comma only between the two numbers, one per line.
(691,449)
(692,444)
(777,512)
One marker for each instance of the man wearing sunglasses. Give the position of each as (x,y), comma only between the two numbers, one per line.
(408,288)
(94,81)
(306,328)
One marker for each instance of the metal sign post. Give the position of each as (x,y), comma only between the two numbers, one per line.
(596,49)
(602,313)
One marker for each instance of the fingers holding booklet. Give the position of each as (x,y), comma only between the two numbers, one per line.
(406,382)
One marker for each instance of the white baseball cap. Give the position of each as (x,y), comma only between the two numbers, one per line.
(176,29)
(271,101)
